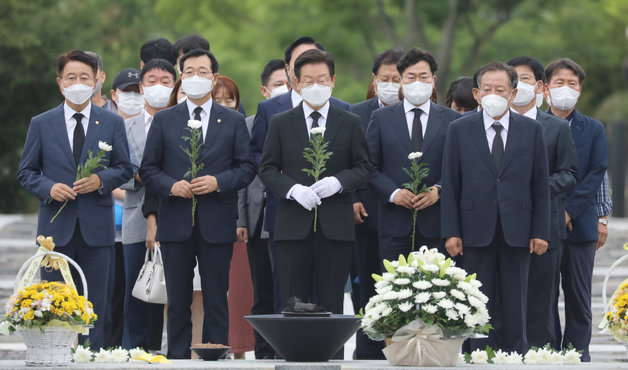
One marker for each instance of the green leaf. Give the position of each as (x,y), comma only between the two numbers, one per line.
(377,277)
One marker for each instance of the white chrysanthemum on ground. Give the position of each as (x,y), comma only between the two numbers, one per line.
(500,357)
(514,358)
(102,356)
(82,354)
(479,357)
(119,355)
(572,357)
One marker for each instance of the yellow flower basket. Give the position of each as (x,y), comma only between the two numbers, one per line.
(615,320)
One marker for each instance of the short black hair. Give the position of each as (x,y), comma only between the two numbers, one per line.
(272,66)
(198,53)
(162,64)
(78,56)
(300,41)
(564,63)
(534,64)
(414,56)
(475,80)
(460,92)
(158,49)
(190,42)
(98,58)
(499,66)
(313,56)
(390,56)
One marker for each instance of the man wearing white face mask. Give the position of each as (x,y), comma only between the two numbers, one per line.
(564,84)
(563,172)
(156,80)
(56,143)
(387,82)
(302,253)
(496,201)
(415,124)
(227,167)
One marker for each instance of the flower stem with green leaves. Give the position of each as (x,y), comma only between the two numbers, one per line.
(194,127)
(317,155)
(417,172)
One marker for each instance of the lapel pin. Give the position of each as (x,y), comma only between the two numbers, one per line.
(219,120)
(97,122)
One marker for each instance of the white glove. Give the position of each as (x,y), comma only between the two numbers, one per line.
(305,196)
(326,187)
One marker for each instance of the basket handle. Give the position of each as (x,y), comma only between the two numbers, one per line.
(42,254)
(608,275)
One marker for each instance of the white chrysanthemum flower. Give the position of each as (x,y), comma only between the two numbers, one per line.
(381,284)
(460,358)
(422,284)
(475,302)
(387,276)
(481,296)
(195,124)
(389,296)
(441,282)
(481,317)
(455,271)
(572,357)
(387,311)
(531,358)
(439,295)
(38,313)
(475,283)
(464,286)
(446,304)
(317,130)
(556,358)
(406,306)
(406,269)
(366,322)
(404,293)
(462,308)
(82,354)
(422,297)
(470,321)
(451,314)
(119,355)
(514,358)
(376,298)
(500,357)
(104,146)
(458,294)
(135,352)
(479,357)
(102,356)
(430,267)
(429,308)
(402,281)
(4,328)
(415,155)
(368,306)
(394,263)
(384,289)
(545,356)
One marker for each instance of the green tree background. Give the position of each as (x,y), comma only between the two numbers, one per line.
(244,35)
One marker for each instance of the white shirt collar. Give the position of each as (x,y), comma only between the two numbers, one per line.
(531,113)
(324,111)
(207,107)
(69,112)
(488,121)
(425,107)
(295,97)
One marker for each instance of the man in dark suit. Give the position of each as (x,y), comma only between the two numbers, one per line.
(386,81)
(57,142)
(265,111)
(563,174)
(564,84)
(414,125)
(227,168)
(302,252)
(496,203)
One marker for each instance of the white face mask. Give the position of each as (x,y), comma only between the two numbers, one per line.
(196,87)
(78,93)
(525,94)
(494,105)
(388,92)
(564,98)
(182,99)
(97,88)
(130,103)
(157,96)
(417,92)
(279,90)
(539,100)
(316,95)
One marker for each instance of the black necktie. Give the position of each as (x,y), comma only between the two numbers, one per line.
(315,117)
(417,130)
(197,116)
(498,145)
(79,138)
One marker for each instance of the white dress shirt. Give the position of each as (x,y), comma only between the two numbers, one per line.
(148,120)
(490,131)
(207,107)
(531,113)
(322,121)
(408,107)
(295,97)
(70,122)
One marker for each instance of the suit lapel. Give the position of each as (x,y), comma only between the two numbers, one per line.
(58,123)
(478,135)
(400,124)
(299,126)
(433,126)
(333,124)
(138,136)
(544,121)
(216,118)
(576,127)
(285,100)
(512,141)
(93,133)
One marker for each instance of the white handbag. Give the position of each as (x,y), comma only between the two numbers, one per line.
(150,285)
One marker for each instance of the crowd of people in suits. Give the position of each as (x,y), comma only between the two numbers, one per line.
(515,194)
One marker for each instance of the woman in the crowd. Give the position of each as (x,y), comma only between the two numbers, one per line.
(459,96)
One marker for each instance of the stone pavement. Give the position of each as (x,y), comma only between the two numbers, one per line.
(17,236)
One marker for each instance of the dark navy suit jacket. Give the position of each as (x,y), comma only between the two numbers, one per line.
(225,154)
(265,110)
(592,151)
(389,143)
(47,159)
(475,192)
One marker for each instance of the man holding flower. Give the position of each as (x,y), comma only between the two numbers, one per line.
(315,154)
(196,159)
(74,156)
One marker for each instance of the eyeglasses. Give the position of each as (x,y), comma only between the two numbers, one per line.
(203,73)
(306,83)
(71,80)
